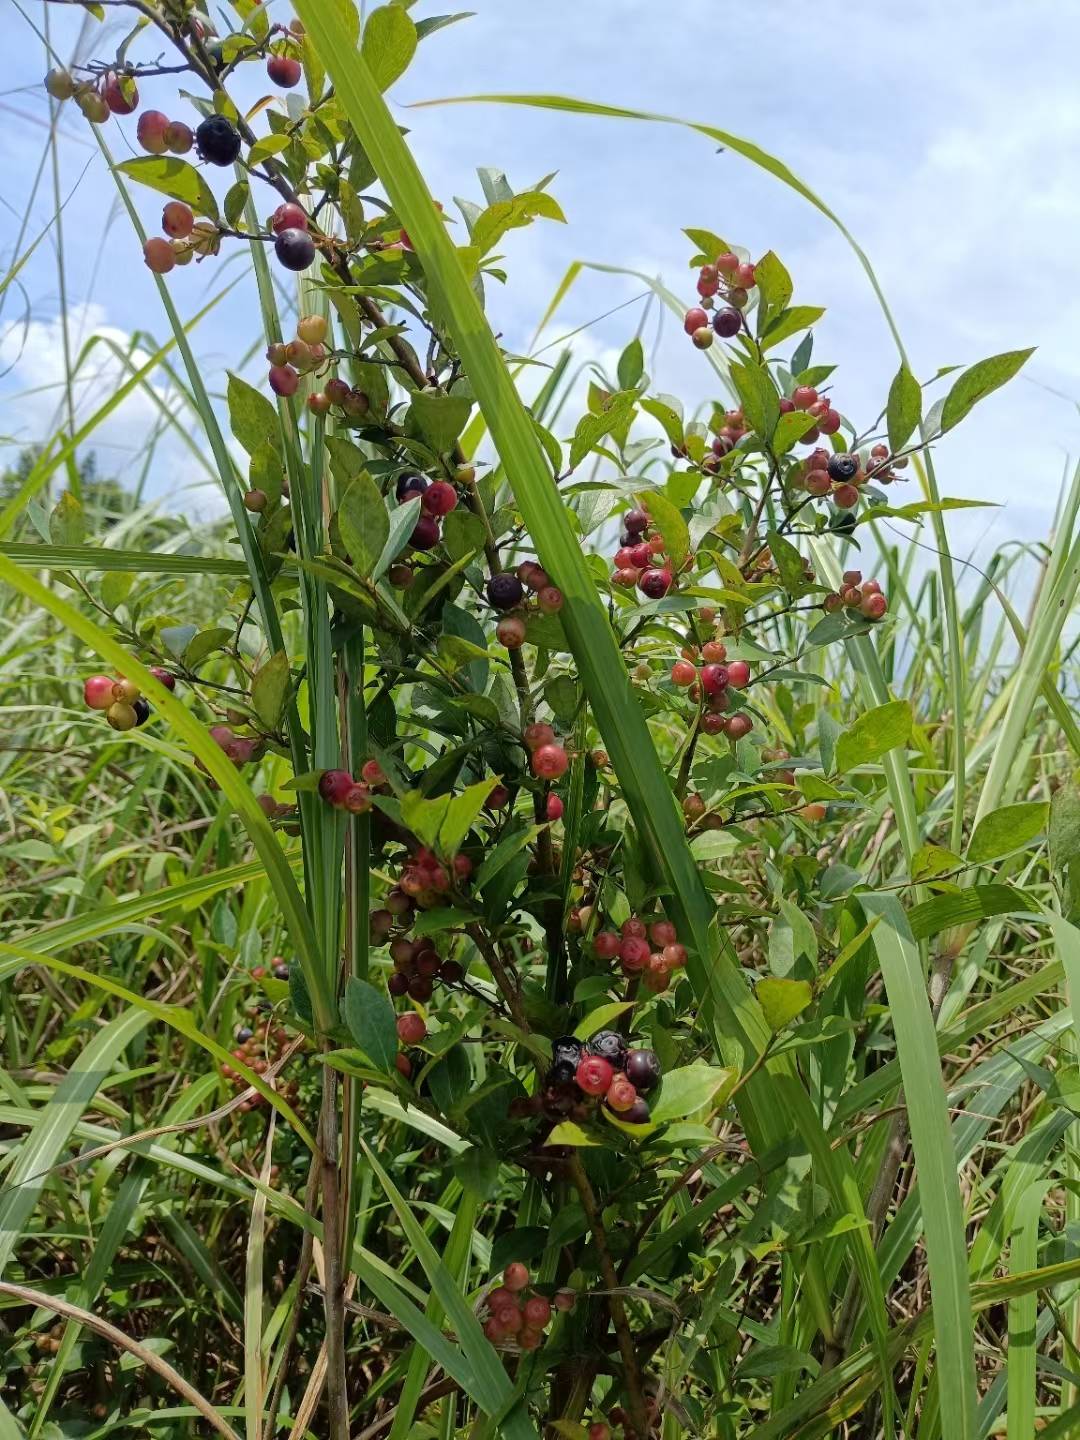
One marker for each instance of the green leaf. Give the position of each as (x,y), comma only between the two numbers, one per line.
(266,146)
(1006,829)
(461,813)
(774,287)
(978,382)
(369,1014)
(176,178)
(789,323)
(668,520)
(631,365)
(67,523)
(206,642)
(402,523)
(977,902)
(874,734)
(782,1000)
(463,533)
(759,397)
(591,429)
(601,1017)
(689,1089)
(363,524)
(424,817)
(439,418)
(567,1133)
(669,418)
(930,861)
(389,43)
(563,694)
(790,428)
(1065,825)
(236,199)
(904,408)
(270,690)
(506,215)
(252,416)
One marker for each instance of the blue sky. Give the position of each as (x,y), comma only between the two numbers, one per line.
(945,135)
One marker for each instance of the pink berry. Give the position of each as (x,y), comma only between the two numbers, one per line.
(594,1075)
(745,277)
(516,1276)
(120,94)
(634,953)
(439,498)
(288,217)
(803,396)
(283,70)
(177,220)
(727,263)
(695,319)
(634,927)
(537,734)
(159,255)
(334,785)
(510,632)
(674,956)
(284,380)
(738,725)
(683,673)
(537,1312)
(829,423)
(179,137)
(553,808)
(606,944)
(714,679)
(151,131)
(98,692)
(550,599)
(621,1095)
(549,762)
(411,1028)
(874,606)
(738,673)
(426,533)
(845,497)
(662,932)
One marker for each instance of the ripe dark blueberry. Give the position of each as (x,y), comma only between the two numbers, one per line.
(638,1114)
(398,984)
(217,140)
(565,1055)
(842,467)
(610,1046)
(655,583)
(643,1069)
(142,710)
(727,322)
(635,522)
(409,485)
(426,533)
(504,591)
(281,972)
(295,249)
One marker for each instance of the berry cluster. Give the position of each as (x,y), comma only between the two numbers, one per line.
(124,704)
(340,789)
(729,280)
(302,355)
(187,238)
(417,965)
(240,749)
(259,1048)
(517,1316)
(855,593)
(640,560)
(604,1069)
(437,499)
(547,759)
(652,951)
(514,593)
(713,684)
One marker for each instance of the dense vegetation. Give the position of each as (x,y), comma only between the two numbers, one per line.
(535,922)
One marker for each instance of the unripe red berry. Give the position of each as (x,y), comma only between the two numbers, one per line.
(738,725)
(695,319)
(284,380)
(674,956)
(874,606)
(845,497)
(550,599)
(288,217)
(550,762)
(357,800)
(510,632)
(334,785)
(606,944)
(411,1028)
(537,1311)
(714,679)
(498,797)
(683,673)
(714,724)
(598,1430)
(745,276)
(120,94)
(439,498)
(163,676)
(786,405)
(284,70)
(804,396)
(634,926)
(516,1276)
(727,263)
(403,1065)
(318,402)
(738,673)
(553,808)
(179,138)
(593,1075)
(177,220)
(633,953)
(151,131)
(714,652)
(829,423)
(621,1095)
(817,482)
(158,255)
(662,932)
(98,691)
(356,404)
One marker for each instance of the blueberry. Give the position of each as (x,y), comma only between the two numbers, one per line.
(842,467)
(141,706)
(638,1114)
(505,591)
(609,1045)
(295,249)
(727,323)
(244,1034)
(643,1070)
(281,972)
(409,485)
(217,140)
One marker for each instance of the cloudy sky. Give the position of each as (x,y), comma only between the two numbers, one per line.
(945,135)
